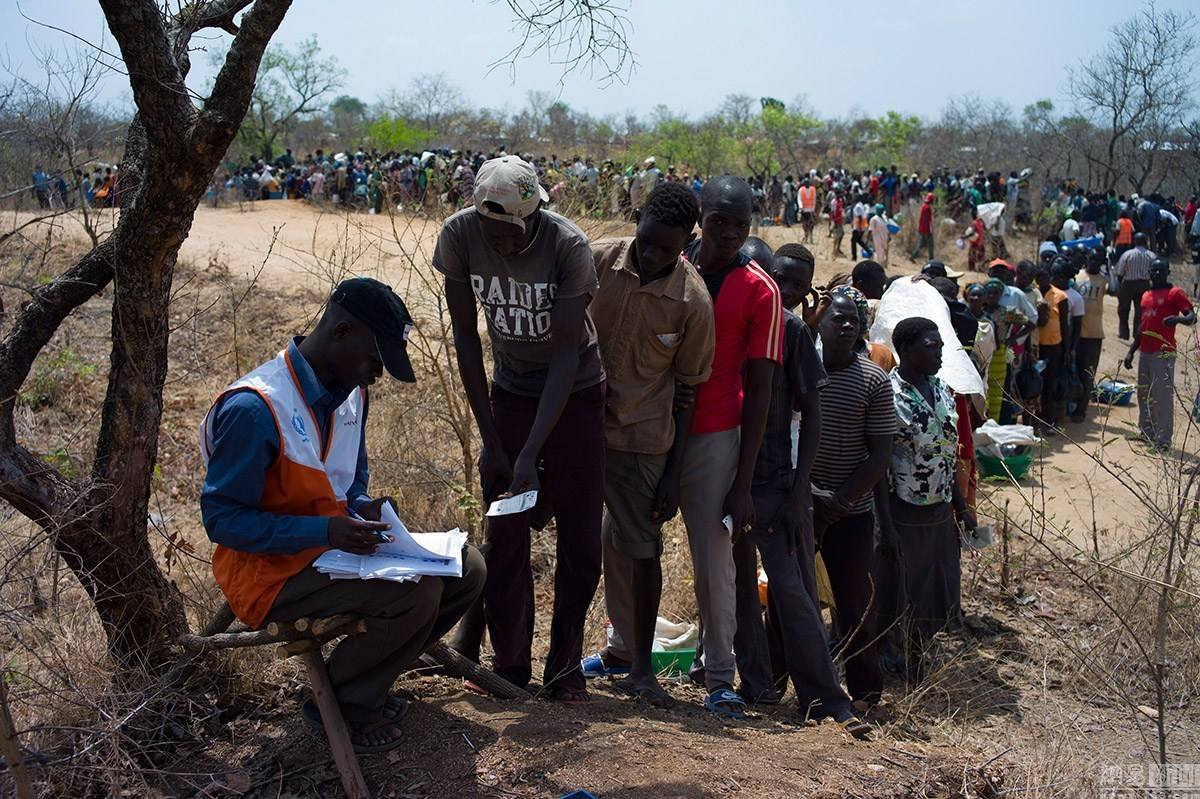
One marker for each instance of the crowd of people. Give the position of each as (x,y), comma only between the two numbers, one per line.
(871,203)
(670,372)
(96,188)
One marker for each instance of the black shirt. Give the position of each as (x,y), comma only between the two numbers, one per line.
(800,373)
(964,323)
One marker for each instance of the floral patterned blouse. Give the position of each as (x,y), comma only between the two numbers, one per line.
(926,443)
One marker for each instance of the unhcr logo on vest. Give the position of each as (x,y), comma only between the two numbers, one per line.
(298,425)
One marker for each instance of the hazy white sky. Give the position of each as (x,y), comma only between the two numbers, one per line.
(906,55)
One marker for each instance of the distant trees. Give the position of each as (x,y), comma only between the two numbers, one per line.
(347,116)
(1137,92)
(291,84)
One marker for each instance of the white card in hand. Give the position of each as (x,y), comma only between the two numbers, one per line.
(518,504)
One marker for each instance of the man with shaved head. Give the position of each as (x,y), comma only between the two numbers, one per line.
(730,417)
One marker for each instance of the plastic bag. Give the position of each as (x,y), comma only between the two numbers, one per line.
(907,298)
(1004,435)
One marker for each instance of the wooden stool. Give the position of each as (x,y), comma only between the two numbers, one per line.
(304,637)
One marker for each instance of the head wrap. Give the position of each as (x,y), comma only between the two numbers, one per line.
(860,303)
(994,282)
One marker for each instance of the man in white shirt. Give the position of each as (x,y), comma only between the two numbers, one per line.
(789,202)
(1070,228)
(879,235)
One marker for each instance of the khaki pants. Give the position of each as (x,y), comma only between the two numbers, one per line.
(627,534)
(403,620)
(708,471)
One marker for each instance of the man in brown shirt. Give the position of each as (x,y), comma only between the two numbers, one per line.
(654,322)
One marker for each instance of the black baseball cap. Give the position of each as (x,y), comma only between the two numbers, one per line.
(939,269)
(380,309)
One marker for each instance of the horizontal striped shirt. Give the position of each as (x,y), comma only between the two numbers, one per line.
(1135,264)
(855,403)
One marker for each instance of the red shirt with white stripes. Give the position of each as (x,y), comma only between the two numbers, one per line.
(748,314)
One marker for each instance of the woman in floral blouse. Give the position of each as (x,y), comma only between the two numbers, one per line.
(925,500)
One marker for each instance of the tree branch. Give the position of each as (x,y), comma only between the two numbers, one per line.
(198,15)
(588,35)
(35,489)
(226,105)
(154,75)
(37,321)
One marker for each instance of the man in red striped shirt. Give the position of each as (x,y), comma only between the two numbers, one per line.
(730,418)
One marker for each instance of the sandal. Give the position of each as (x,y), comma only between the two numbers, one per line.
(725,702)
(475,688)
(394,709)
(852,724)
(362,735)
(593,666)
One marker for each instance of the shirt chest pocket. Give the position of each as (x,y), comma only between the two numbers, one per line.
(668,340)
(659,353)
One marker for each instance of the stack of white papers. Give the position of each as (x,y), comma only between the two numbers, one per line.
(406,558)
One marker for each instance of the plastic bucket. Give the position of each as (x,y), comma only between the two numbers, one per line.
(1014,466)
(673,663)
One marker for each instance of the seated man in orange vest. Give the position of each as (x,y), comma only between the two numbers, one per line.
(287,479)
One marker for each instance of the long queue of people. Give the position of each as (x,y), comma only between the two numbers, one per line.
(798,437)
(791,439)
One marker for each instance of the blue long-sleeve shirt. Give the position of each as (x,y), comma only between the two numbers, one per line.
(246,444)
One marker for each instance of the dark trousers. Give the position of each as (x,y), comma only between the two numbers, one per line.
(403,620)
(926,242)
(1008,408)
(794,643)
(856,241)
(573,457)
(1130,292)
(789,213)
(848,549)
(750,641)
(1087,361)
(932,570)
(1052,393)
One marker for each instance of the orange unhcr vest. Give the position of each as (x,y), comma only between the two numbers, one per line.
(808,198)
(310,477)
(1124,231)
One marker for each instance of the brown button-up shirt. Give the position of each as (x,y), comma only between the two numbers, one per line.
(650,336)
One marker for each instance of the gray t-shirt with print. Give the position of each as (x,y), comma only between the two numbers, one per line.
(517,293)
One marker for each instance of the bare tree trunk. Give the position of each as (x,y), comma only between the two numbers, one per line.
(99,524)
